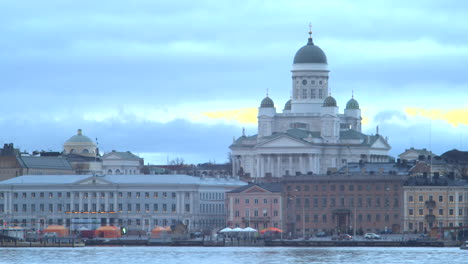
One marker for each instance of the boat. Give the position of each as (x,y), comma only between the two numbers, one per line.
(464,245)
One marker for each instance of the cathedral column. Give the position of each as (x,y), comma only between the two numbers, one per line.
(290,164)
(262,166)
(278,160)
(269,165)
(258,166)
(311,166)
(300,165)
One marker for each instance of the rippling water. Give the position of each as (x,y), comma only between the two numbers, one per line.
(238,255)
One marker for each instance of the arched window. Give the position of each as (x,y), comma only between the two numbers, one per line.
(85,151)
(109,171)
(72,150)
(117,171)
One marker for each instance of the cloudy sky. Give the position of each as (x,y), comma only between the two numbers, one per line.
(179,79)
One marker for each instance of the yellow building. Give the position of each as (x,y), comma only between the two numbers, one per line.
(434,205)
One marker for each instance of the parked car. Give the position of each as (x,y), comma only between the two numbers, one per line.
(342,237)
(321,234)
(371,236)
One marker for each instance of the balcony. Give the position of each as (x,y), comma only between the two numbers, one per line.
(430,218)
(256,219)
(430,204)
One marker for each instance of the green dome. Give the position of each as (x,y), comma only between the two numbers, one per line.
(352,104)
(329,102)
(267,102)
(310,54)
(287,106)
(79,138)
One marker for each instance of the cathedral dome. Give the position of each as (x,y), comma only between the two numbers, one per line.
(329,102)
(310,54)
(352,104)
(79,138)
(287,106)
(267,102)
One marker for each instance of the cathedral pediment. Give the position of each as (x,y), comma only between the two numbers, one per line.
(380,143)
(282,142)
(255,189)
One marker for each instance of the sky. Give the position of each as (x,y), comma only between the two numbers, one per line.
(180,79)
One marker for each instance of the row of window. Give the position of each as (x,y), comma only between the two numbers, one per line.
(420,225)
(256,212)
(451,211)
(349,202)
(212,208)
(52,195)
(51,208)
(341,187)
(312,94)
(211,196)
(311,82)
(451,198)
(67,222)
(255,201)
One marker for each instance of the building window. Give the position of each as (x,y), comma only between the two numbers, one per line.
(173,208)
(420,211)
(441,198)
(450,211)
(312,93)
(320,93)
(460,198)
(421,198)
(129,207)
(155,207)
(236,201)
(304,93)
(187,208)
(410,212)
(256,201)
(164,208)
(155,195)
(451,199)
(247,201)
(173,195)
(129,195)
(441,211)
(164,195)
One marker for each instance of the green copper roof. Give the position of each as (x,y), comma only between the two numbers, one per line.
(267,102)
(329,102)
(287,106)
(352,104)
(310,54)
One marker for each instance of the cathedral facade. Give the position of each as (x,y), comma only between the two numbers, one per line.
(309,136)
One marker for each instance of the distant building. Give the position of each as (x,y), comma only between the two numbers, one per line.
(12,164)
(257,205)
(412,155)
(200,170)
(340,203)
(81,145)
(117,162)
(310,135)
(137,202)
(432,205)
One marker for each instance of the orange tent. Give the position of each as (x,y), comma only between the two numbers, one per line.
(108,232)
(271,230)
(157,231)
(61,231)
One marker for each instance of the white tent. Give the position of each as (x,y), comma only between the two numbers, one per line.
(237,229)
(249,229)
(225,230)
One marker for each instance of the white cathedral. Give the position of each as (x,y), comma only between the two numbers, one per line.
(310,136)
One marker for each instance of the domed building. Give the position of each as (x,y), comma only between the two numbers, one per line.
(80,144)
(310,136)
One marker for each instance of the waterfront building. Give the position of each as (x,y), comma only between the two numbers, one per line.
(343,203)
(256,205)
(310,135)
(433,203)
(412,155)
(137,202)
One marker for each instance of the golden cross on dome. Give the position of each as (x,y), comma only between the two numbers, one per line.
(310,30)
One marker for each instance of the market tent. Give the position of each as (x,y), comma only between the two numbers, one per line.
(271,230)
(249,229)
(61,231)
(237,229)
(159,230)
(225,230)
(108,232)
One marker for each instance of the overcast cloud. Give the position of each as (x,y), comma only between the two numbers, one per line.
(133,73)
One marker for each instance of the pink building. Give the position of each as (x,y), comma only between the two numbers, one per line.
(256,205)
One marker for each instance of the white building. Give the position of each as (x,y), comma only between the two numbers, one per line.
(117,162)
(137,202)
(310,135)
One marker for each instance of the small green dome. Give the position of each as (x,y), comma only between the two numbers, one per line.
(267,102)
(79,138)
(352,104)
(287,106)
(329,102)
(310,54)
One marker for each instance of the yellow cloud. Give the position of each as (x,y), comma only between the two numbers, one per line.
(454,117)
(243,115)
